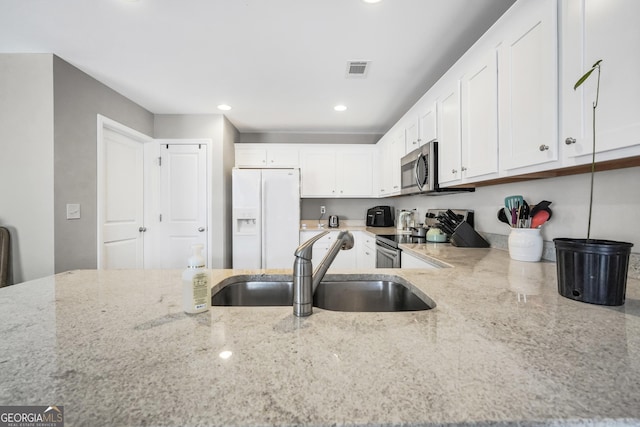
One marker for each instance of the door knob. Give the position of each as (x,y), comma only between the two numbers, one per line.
(544,147)
(201,229)
(570,141)
(142,229)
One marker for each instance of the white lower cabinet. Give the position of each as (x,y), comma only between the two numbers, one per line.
(411,261)
(344,260)
(365,249)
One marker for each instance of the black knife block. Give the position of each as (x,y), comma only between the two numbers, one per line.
(466,237)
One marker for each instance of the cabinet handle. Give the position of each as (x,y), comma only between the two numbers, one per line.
(142,229)
(544,147)
(454,171)
(463,169)
(570,141)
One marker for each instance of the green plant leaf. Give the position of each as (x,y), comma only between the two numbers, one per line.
(586,75)
(583,79)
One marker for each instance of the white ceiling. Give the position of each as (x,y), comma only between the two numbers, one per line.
(280,64)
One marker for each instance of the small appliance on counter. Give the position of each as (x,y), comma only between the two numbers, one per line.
(380,216)
(334,222)
(406,219)
(458,226)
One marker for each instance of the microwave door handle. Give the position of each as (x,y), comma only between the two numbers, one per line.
(415,171)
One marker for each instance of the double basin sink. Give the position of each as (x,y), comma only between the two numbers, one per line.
(361,293)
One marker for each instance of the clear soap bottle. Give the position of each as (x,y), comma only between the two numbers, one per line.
(196,291)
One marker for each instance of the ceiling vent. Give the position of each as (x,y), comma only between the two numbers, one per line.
(357,68)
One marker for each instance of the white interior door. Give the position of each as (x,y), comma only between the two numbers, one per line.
(183,201)
(122,202)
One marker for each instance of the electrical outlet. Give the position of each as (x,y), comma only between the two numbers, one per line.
(323,210)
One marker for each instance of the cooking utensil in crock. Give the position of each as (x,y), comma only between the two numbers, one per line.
(540,218)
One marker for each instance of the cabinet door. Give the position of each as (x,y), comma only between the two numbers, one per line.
(318,174)
(409,261)
(449,138)
(366,253)
(607,30)
(385,181)
(355,174)
(479,94)
(427,124)
(528,86)
(411,136)
(320,247)
(282,158)
(398,150)
(251,157)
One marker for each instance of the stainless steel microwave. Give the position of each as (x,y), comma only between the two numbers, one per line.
(419,172)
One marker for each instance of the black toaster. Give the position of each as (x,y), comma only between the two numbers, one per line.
(380,216)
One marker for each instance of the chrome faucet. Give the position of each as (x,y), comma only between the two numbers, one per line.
(305,279)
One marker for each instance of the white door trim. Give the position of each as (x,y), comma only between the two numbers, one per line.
(102,124)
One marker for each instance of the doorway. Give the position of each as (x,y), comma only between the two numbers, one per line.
(153,199)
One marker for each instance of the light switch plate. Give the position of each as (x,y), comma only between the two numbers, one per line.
(73,211)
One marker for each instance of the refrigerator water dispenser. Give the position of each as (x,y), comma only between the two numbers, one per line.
(246,221)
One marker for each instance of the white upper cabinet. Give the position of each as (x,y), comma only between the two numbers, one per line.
(318,173)
(607,30)
(355,173)
(427,123)
(479,98)
(411,136)
(527,85)
(266,156)
(449,135)
(337,171)
(385,173)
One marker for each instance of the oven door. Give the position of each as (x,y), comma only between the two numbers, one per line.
(387,256)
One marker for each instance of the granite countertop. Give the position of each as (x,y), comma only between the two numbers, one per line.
(500,348)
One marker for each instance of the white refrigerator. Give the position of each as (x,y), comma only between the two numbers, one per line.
(266,217)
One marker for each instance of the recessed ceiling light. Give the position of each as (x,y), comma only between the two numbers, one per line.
(340,107)
(224,107)
(371,1)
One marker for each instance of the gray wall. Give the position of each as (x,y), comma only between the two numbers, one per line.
(78,99)
(617,202)
(26,162)
(217,128)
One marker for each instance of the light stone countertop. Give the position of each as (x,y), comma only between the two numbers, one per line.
(500,348)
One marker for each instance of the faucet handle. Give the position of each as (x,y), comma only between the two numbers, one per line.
(305,250)
(347,240)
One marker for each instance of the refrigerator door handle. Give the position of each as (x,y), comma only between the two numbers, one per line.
(263,229)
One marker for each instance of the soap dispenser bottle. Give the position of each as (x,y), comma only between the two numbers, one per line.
(196,292)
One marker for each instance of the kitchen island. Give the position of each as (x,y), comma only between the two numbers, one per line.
(501,347)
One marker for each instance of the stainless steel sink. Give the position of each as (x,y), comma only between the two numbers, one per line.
(337,294)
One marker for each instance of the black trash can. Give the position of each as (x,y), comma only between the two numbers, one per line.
(592,271)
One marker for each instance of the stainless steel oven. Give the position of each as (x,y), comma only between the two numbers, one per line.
(386,255)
